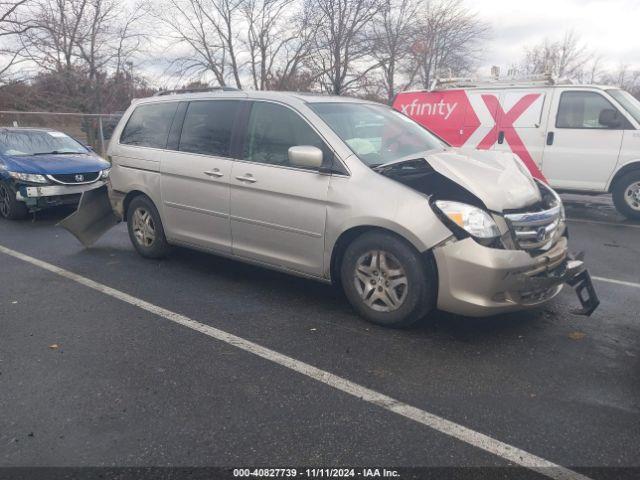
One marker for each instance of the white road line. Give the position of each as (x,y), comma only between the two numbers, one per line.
(617,282)
(442,425)
(597,222)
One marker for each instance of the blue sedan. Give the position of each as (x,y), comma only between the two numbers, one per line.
(42,168)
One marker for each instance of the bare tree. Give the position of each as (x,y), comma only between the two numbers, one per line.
(277,41)
(565,58)
(447,40)
(80,44)
(624,77)
(12,25)
(392,32)
(341,54)
(208,29)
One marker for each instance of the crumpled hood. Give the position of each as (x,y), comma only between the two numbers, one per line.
(496,178)
(55,164)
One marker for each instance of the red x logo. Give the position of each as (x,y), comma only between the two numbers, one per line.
(504,123)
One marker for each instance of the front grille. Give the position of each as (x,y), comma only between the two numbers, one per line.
(75,178)
(534,230)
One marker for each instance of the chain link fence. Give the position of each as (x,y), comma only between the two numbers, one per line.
(94,130)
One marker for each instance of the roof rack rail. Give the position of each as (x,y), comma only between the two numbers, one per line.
(527,80)
(195,90)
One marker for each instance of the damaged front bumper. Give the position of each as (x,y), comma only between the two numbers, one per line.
(479,281)
(37,197)
(93,217)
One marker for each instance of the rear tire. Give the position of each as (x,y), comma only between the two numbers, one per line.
(145,228)
(387,281)
(10,207)
(626,195)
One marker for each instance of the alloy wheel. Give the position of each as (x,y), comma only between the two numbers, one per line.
(143,227)
(632,196)
(380,281)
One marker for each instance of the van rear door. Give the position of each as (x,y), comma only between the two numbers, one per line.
(581,149)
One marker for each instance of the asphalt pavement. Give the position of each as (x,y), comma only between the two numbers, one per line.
(87,379)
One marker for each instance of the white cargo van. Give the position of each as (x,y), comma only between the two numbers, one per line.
(578,138)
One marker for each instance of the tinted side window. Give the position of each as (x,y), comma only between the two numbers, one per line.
(581,110)
(208,126)
(149,125)
(272,129)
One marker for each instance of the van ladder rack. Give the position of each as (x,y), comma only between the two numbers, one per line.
(531,80)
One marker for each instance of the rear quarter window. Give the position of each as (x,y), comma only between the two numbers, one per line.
(149,125)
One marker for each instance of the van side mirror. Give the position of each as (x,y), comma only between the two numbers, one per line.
(305,156)
(610,118)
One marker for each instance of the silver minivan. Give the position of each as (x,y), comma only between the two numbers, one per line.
(339,190)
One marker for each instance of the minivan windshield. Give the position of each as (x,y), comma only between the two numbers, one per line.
(376,134)
(628,101)
(37,142)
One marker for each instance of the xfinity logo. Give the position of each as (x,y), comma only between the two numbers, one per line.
(79,178)
(441,109)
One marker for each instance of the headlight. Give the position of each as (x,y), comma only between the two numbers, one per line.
(28,177)
(473,220)
(105,173)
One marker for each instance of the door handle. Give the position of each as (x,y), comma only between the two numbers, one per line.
(500,138)
(550,137)
(214,173)
(247,178)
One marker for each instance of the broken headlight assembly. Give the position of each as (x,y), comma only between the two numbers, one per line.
(28,177)
(551,198)
(472,220)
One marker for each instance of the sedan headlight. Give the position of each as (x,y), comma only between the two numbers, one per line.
(475,221)
(104,174)
(28,177)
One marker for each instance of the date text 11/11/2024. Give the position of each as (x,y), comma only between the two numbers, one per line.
(315,473)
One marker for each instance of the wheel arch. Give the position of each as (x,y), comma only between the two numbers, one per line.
(350,234)
(625,169)
(128,198)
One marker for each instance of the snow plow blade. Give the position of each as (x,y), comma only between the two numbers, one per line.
(93,217)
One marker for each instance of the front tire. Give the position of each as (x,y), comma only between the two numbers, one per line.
(10,207)
(387,281)
(626,195)
(145,228)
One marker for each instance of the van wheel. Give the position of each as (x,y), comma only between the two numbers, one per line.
(10,207)
(145,228)
(387,281)
(626,195)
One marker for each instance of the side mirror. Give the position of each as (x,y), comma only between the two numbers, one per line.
(305,156)
(610,118)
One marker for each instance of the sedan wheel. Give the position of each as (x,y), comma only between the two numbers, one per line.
(10,207)
(5,205)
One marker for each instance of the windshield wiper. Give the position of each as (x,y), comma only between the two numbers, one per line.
(54,152)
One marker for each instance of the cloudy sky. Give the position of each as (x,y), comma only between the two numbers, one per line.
(611,28)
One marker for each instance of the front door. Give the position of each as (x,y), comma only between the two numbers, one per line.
(278,211)
(195,176)
(580,151)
